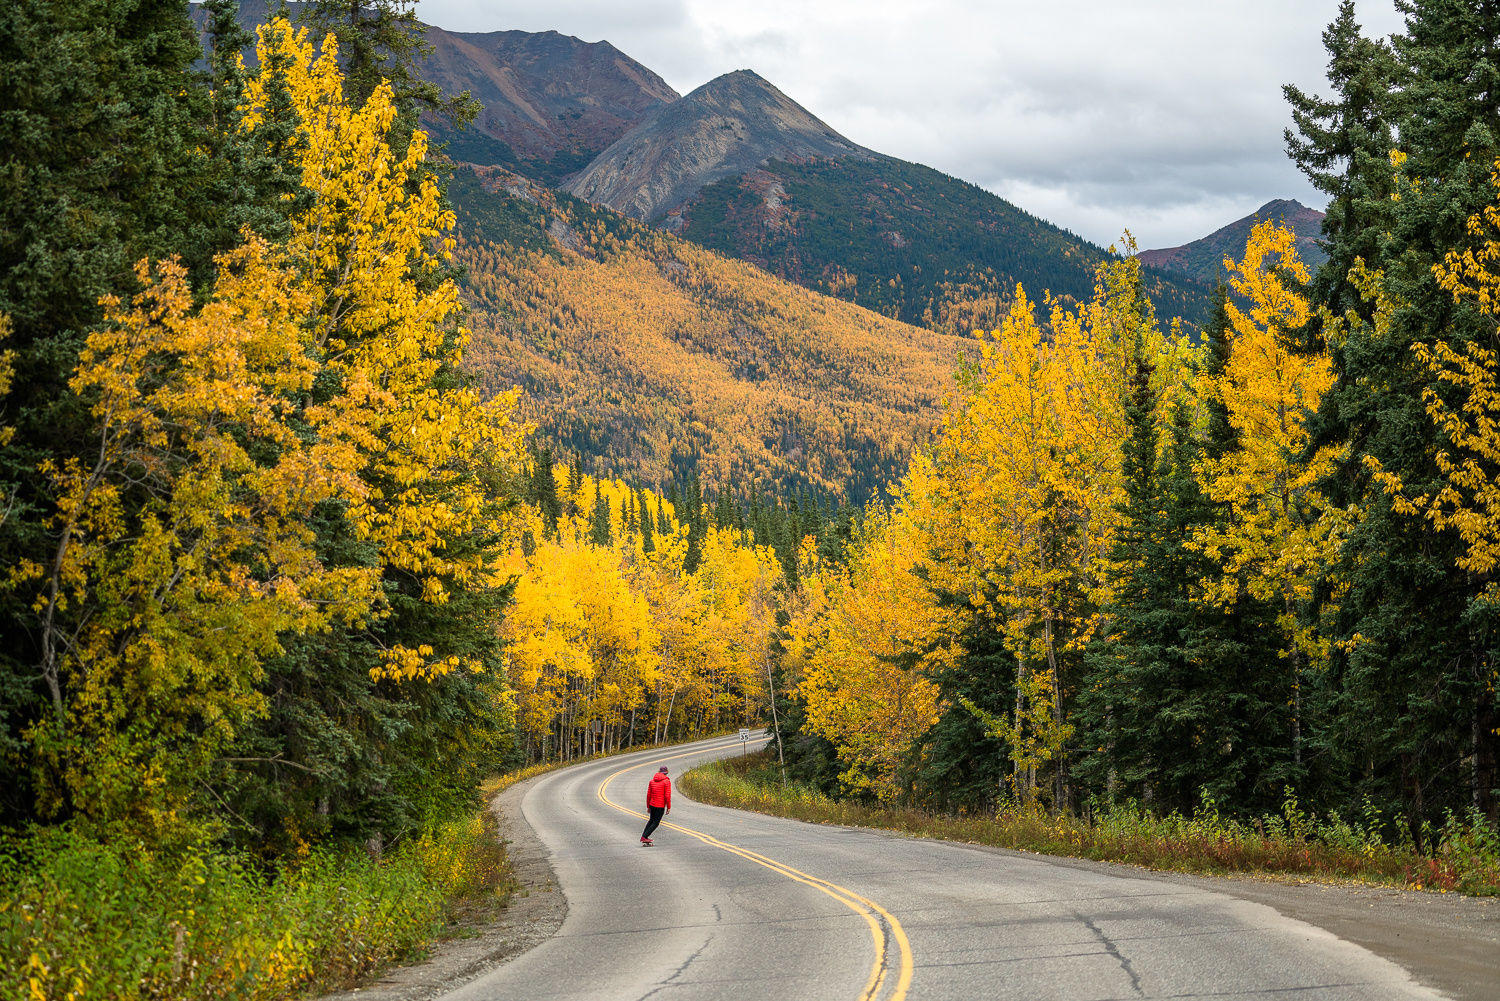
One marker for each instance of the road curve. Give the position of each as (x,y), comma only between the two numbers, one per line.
(736,906)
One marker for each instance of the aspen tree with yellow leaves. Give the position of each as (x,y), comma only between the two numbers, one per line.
(614,642)
(1280,535)
(309,386)
(1027,479)
(1007,522)
(858,648)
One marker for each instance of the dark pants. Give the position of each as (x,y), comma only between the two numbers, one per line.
(656,815)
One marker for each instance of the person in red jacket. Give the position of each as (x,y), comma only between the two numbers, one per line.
(658,802)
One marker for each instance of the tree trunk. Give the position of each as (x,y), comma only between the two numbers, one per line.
(1486,737)
(1296,659)
(1059,765)
(776,722)
(1023,787)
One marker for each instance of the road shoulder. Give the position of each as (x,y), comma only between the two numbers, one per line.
(1446,941)
(533,914)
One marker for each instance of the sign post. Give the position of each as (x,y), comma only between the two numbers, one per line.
(744,741)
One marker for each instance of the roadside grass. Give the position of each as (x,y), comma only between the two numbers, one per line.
(1464,857)
(82,920)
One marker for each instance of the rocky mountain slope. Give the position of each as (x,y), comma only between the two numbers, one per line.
(725,128)
(1204,259)
(551,102)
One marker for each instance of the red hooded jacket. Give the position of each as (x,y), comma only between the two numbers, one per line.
(659,791)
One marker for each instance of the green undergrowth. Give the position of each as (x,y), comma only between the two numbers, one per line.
(81,920)
(1464,857)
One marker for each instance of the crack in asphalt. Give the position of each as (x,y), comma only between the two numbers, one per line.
(1109,947)
(664,984)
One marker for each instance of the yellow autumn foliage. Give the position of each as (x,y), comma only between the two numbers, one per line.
(858,643)
(309,375)
(610,640)
(1280,534)
(1464,406)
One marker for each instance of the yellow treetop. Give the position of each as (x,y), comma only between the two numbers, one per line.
(1280,534)
(365,249)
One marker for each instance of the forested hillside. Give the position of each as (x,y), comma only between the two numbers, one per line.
(739,167)
(906,241)
(656,358)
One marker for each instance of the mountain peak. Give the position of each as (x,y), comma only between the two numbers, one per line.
(1204,259)
(730,125)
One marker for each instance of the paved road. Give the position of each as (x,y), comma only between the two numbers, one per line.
(735,906)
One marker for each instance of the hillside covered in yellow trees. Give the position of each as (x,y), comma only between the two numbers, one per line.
(656,357)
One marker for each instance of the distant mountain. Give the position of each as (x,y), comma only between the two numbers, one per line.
(1204,259)
(907,241)
(725,128)
(551,102)
(653,357)
(740,168)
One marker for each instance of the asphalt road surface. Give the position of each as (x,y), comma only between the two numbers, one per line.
(735,906)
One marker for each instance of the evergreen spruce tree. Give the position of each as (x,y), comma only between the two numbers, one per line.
(574,482)
(1343,144)
(957,764)
(1410,679)
(102,125)
(648,529)
(383,40)
(542,489)
(600,528)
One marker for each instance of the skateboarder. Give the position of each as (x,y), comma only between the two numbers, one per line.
(658,802)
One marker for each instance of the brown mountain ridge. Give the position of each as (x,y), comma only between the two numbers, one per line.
(551,102)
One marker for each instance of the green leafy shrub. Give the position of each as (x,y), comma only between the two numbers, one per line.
(83,920)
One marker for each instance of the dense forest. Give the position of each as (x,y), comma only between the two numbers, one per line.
(906,241)
(656,359)
(1253,573)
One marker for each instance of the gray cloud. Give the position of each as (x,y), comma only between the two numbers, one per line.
(1163,116)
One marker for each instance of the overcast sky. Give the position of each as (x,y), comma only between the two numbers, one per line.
(1161,116)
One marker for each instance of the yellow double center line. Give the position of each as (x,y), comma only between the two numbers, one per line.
(866,908)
